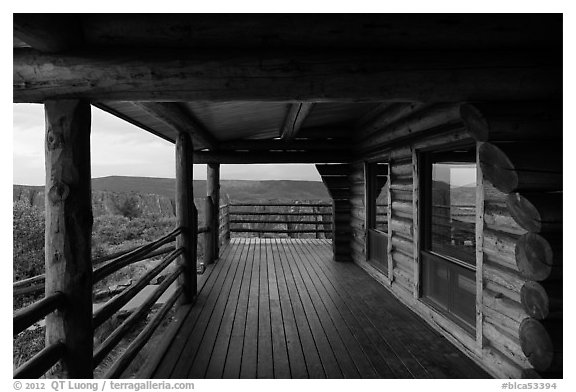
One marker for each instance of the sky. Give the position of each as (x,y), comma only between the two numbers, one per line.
(119,148)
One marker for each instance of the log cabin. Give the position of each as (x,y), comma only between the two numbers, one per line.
(438,137)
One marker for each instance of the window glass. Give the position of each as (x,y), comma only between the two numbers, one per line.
(453,216)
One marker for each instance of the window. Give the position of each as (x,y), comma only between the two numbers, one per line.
(377,215)
(448,253)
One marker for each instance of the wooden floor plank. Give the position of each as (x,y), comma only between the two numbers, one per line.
(294,338)
(281,364)
(346,325)
(283,308)
(357,284)
(325,350)
(249,362)
(236,344)
(197,333)
(231,318)
(222,318)
(433,352)
(314,365)
(265,357)
(172,356)
(338,346)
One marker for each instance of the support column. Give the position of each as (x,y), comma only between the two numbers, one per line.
(212,216)
(186,215)
(336,179)
(68,233)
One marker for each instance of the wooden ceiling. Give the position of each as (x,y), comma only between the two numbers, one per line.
(281,77)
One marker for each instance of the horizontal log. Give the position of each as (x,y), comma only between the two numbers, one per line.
(27,316)
(127,325)
(40,363)
(405,195)
(517,167)
(401,225)
(536,212)
(284,145)
(513,120)
(126,358)
(239,213)
(542,300)
(502,276)
(389,115)
(505,323)
(320,204)
(287,75)
(403,207)
(500,363)
(292,222)
(116,303)
(247,157)
(399,170)
(497,218)
(539,258)
(541,342)
(506,307)
(430,117)
(500,247)
(294,119)
(496,287)
(402,244)
(131,257)
(404,185)
(507,344)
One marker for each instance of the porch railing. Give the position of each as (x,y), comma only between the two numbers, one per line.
(230,215)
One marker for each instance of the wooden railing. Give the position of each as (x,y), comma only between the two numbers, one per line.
(229,214)
(242,214)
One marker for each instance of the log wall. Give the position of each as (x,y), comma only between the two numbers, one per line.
(519,250)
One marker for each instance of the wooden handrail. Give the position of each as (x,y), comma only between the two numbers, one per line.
(116,303)
(281,222)
(283,213)
(128,356)
(131,257)
(117,335)
(27,316)
(41,362)
(280,205)
(22,289)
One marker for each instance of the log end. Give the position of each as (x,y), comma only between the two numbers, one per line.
(497,168)
(524,212)
(475,122)
(536,344)
(534,256)
(535,300)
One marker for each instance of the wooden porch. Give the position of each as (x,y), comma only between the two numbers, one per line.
(282,308)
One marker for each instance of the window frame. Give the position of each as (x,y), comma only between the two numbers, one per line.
(426,159)
(371,182)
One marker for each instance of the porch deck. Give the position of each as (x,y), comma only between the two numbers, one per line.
(281,308)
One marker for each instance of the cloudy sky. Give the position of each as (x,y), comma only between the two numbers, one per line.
(119,148)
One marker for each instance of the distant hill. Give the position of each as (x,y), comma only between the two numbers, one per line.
(156,195)
(236,189)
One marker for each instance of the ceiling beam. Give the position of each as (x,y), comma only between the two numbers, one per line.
(179,119)
(49,33)
(285,145)
(237,157)
(288,76)
(295,118)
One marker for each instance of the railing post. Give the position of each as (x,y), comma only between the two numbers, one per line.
(68,204)
(227,220)
(209,235)
(213,192)
(186,215)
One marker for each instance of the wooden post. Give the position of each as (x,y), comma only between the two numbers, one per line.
(209,235)
(68,233)
(186,215)
(213,191)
